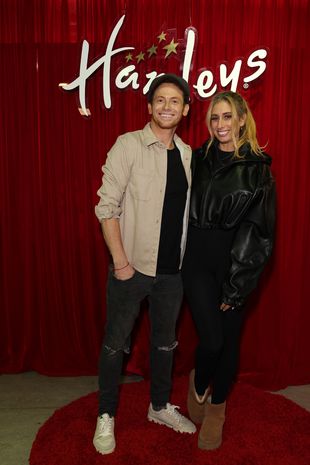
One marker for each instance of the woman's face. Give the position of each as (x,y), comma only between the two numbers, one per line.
(223,126)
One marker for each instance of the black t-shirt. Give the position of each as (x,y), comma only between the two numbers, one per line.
(168,260)
(222,158)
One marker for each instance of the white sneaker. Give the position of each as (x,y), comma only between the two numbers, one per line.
(104,440)
(170,417)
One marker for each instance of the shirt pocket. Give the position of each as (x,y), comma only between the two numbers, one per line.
(141,184)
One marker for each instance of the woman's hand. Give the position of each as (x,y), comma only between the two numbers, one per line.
(225,307)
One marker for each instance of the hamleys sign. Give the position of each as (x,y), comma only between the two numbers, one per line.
(130,77)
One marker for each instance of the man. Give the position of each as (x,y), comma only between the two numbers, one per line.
(143,210)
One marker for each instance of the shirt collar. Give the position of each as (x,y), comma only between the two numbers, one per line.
(149,137)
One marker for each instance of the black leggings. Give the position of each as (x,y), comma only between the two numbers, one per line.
(206,264)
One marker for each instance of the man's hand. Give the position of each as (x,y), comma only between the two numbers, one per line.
(125,273)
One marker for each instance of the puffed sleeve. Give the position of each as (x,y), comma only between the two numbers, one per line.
(252,244)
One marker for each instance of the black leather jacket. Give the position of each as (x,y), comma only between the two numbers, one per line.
(239,194)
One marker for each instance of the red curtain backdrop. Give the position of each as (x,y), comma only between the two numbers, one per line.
(53,258)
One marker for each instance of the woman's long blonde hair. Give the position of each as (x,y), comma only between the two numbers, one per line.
(239,109)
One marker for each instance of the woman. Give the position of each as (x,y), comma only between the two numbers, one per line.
(229,241)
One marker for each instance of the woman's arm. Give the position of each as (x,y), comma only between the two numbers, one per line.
(252,245)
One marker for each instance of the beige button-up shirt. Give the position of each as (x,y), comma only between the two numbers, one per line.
(133,190)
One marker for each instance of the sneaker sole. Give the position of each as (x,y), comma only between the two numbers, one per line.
(105,452)
(159,422)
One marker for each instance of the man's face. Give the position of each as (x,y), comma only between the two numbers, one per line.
(167,107)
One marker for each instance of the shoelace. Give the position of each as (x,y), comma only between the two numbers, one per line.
(105,424)
(172,409)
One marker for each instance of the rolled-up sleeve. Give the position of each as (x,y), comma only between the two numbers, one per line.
(115,178)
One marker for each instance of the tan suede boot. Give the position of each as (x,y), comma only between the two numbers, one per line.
(210,434)
(195,403)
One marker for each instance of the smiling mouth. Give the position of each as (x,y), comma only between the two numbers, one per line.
(222,133)
(166,115)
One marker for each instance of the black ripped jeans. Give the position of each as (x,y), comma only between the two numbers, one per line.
(164,293)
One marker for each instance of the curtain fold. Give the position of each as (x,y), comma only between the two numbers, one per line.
(53,258)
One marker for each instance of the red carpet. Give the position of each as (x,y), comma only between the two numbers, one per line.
(261,429)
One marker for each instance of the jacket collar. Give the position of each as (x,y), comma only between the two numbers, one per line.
(245,151)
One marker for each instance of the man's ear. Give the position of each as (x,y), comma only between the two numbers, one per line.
(149,107)
(185,109)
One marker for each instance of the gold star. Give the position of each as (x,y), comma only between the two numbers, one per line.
(152,50)
(128,57)
(171,48)
(140,57)
(161,36)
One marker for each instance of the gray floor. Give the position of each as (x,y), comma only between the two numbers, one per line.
(28,399)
